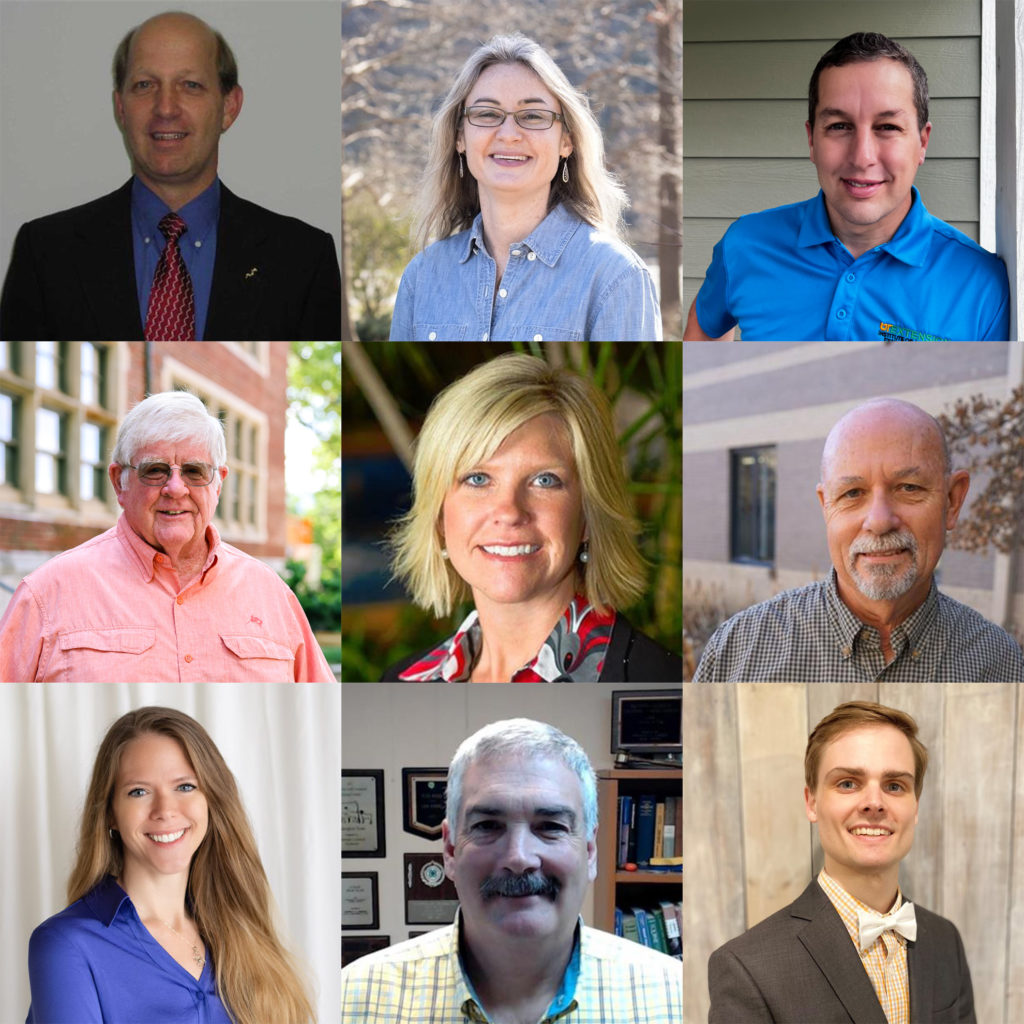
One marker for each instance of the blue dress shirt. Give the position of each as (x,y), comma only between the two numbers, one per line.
(95,963)
(198,245)
(782,275)
(566,281)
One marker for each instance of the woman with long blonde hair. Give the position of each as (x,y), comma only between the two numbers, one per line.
(170,910)
(524,217)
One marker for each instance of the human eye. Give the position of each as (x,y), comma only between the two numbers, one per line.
(485,826)
(533,117)
(141,85)
(487,116)
(187,787)
(841,126)
(889,128)
(547,480)
(853,492)
(196,472)
(475,479)
(136,791)
(154,472)
(193,86)
(896,786)
(553,827)
(912,488)
(845,784)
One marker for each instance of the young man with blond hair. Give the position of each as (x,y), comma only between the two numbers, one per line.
(851,947)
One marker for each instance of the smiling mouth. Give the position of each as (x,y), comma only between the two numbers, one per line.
(510,551)
(865,831)
(509,158)
(167,136)
(179,512)
(166,838)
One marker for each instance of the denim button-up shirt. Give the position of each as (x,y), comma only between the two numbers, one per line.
(566,281)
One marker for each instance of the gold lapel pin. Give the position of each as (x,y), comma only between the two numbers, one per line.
(251,272)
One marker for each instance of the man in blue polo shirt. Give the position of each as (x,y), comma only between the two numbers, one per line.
(863,260)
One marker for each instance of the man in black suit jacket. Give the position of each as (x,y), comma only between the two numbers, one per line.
(822,959)
(73,274)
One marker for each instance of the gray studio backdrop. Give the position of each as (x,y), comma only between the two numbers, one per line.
(59,142)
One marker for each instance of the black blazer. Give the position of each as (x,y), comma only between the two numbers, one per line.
(800,967)
(632,658)
(72,277)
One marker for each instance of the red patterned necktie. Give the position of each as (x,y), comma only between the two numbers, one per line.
(172,309)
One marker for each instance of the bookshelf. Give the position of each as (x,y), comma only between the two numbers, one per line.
(629,888)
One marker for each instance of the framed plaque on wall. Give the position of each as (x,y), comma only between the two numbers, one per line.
(430,896)
(362,812)
(424,791)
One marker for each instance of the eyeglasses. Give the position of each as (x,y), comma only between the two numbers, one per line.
(494,117)
(156,474)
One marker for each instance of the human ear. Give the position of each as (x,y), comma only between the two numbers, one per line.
(810,805)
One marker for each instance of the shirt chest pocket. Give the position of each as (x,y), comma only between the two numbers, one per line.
(439,332)
(114,655)
(259,659)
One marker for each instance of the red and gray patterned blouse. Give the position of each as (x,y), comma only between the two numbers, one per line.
(573,653)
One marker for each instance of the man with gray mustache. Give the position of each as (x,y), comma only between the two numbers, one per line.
(520,845)
(889,494)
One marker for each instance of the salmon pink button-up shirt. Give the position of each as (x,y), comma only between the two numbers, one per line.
(113,610)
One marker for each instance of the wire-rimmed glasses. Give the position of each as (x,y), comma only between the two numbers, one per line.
(154,473)
(533,118)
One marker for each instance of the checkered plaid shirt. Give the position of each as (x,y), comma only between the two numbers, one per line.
(808,635)
(421,982)
(885,960)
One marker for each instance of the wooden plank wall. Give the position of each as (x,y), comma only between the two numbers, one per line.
(749,849)
(746,66)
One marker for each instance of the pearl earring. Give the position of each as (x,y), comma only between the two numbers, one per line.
(585,552)
(444,554)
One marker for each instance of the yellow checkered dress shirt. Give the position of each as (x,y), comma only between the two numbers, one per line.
(885,960)
(421,982)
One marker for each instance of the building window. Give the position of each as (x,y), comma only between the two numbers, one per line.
(93,373)
(50,461)
(8,444)
(92,470)
(753,504)
(49,365)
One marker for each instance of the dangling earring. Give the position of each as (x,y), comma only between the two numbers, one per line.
(444,554)
(461,171)
(110,832)
(585,552)
(565,171)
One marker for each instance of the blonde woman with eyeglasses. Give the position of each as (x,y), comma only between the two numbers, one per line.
(524,217)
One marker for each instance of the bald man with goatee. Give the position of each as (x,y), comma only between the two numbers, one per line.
(888,494)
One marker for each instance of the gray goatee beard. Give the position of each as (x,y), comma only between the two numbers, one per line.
(884,582)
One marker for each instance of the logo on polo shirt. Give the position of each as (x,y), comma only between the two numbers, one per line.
(897,332)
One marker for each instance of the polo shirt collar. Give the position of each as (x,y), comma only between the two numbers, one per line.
(144,555)
(911,632)
(105,900)
(472,1008)
(548,239)
(200,214)
(910,244)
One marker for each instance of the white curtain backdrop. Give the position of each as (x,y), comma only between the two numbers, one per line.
(282,742)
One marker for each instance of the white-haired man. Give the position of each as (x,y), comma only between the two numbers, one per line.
(520,845)
(160,597)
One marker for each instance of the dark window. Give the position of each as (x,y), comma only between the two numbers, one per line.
(8,442)
(753,504)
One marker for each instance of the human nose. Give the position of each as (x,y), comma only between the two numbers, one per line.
(509,128)
(175,486)
(880,516)
(520,850)
(865,150)
(873,797)
(165,103)
(161,805)
(509,505)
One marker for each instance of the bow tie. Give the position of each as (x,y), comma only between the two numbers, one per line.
(872,925)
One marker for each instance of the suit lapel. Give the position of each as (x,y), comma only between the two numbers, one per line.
(920,966)
(827,941)
(238,289)
(106,266)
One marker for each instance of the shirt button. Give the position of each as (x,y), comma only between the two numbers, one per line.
(484,338)
(188,657)
(840,314)
(531,255)
(517,252)
(846,652)
(432,336)
(180,600)
(146,239)
(199,244)
(851,278)
(503,293)
(538,337)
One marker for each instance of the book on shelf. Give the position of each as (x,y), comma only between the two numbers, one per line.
(649,830)
(657,927)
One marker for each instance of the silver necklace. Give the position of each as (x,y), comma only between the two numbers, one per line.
(197,956)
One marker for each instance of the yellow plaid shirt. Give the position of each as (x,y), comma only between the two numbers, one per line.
(421,982)
(885,960)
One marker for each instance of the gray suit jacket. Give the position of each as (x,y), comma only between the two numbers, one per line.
(800,967)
